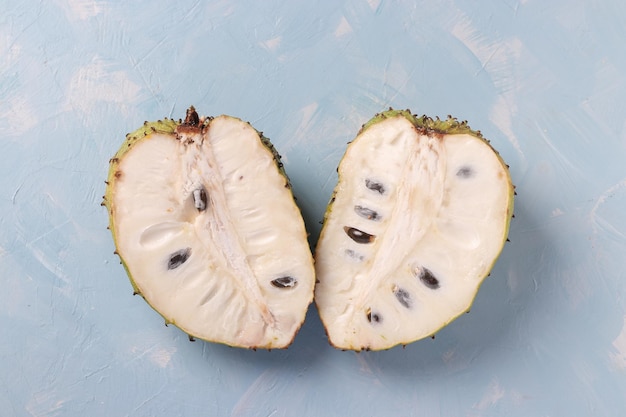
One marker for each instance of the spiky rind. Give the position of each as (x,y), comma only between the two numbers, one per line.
(277,157)
(448,126)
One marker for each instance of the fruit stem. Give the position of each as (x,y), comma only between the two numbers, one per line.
(191,118)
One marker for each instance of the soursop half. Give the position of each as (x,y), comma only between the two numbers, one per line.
(419,216)
(205,223)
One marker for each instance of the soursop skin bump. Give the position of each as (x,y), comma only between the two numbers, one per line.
(418,217)
(205,224)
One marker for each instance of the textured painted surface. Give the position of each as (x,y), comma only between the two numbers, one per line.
(545,81)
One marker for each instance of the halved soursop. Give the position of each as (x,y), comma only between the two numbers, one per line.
(205,223)
(419,216)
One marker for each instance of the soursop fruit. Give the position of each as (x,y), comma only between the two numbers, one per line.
(205,224)
(418,217)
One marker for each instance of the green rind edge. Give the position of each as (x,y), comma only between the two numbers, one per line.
(448,126)
(165,126)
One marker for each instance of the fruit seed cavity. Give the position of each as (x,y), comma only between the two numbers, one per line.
(285,282)
(426,277)
(200,199)
(375,186)
(359,236)
(367,213)
(178,258)
(403,296)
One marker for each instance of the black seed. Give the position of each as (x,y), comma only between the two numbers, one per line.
(178,258)
(284,282)
(465,172)
(366,213)
(403,296)
(375,186)
(427,277)
(359,236)
(373,317)
(200,199)
(191,338)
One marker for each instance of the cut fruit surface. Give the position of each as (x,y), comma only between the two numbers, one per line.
(419,216)
(206,226)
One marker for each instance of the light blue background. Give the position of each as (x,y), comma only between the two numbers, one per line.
(544,80)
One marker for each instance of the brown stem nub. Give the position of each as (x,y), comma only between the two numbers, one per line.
(192,118)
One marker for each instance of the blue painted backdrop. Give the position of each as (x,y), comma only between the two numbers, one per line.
(544,80)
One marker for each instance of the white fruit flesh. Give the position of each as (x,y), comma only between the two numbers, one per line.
(204,224)
(408,203)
